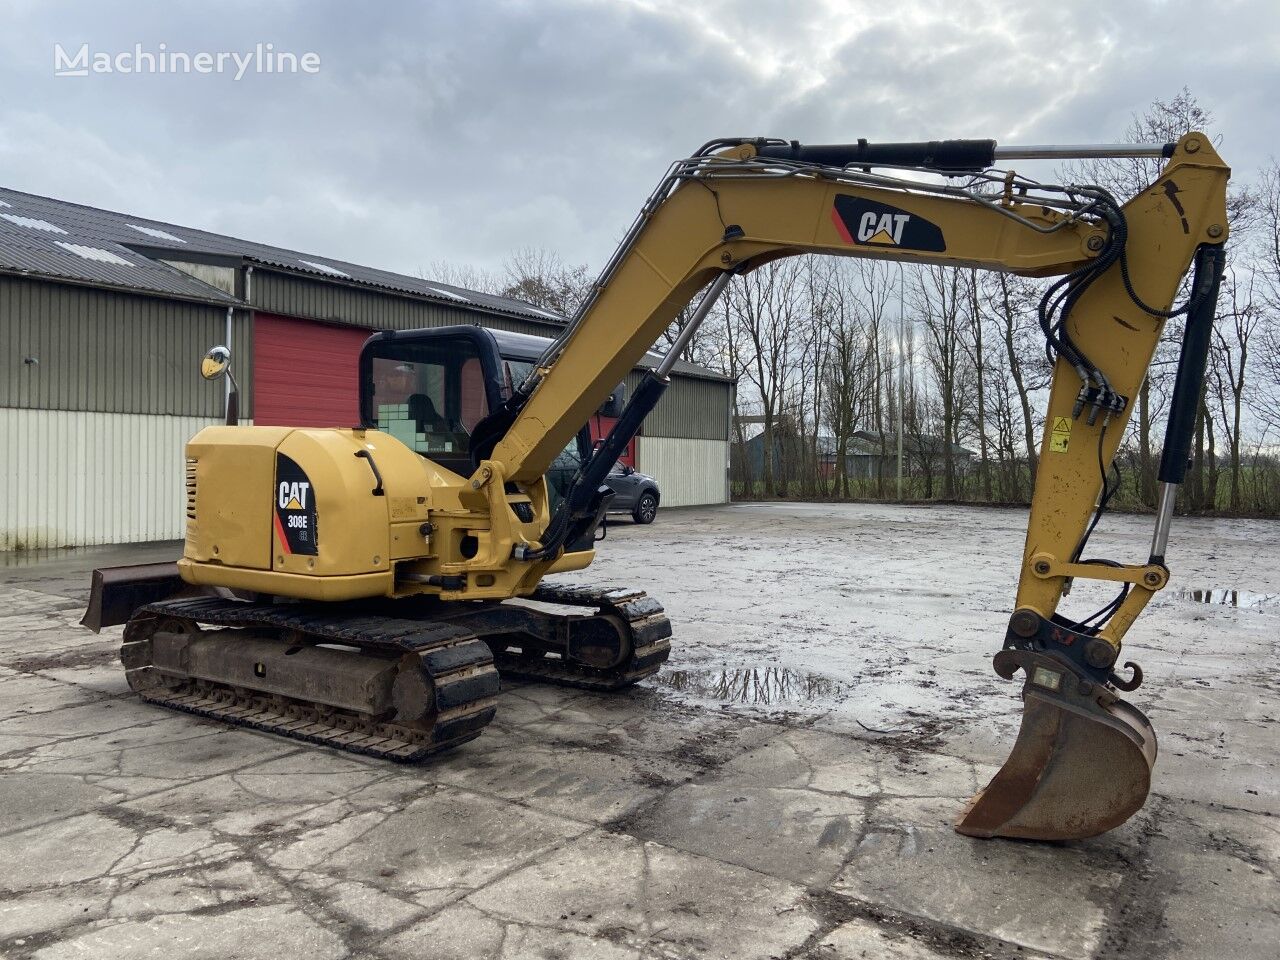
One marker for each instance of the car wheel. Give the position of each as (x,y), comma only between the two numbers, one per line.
(646,509)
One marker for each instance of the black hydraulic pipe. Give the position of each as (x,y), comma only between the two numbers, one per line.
(604,456)
(587,498)
(947,156)
(1189,385)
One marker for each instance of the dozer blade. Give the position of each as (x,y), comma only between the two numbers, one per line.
(1081,764)
(118,592)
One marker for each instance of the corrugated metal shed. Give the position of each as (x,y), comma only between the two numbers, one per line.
(112,352)
(40,236)
(688,471)
(73,478)
(31,227)
(103,318)
(315,299)
(694,408)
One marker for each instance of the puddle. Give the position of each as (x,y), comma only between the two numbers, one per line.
(1231,598)
(762,686)
(35,558)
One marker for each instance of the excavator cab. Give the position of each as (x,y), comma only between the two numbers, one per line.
(431,389)
(434,389)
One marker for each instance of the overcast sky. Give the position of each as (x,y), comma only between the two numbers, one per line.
(459,131)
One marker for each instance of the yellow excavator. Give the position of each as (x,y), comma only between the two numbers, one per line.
(362,588)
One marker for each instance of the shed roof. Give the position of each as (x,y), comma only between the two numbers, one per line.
(35,232)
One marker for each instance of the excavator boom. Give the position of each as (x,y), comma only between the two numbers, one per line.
(1083,758)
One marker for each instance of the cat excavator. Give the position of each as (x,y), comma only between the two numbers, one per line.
(366,587)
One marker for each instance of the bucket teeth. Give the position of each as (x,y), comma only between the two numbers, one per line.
(1081,764)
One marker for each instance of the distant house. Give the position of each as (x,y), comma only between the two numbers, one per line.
(868,449)
(868,454)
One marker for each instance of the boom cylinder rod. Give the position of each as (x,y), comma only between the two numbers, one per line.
(691,325)
(1090,151)
(1188,388)
(1164,520)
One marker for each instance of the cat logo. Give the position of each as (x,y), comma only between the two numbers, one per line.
(868,223)
(295,510)
(293,496)
(885,228)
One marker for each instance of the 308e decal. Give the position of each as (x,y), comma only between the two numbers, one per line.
(295,519)
(867,223)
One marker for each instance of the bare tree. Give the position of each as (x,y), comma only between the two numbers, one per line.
(1013,300)
(939,297)
(848,359)
(463,276)
(875,290)
(1266,404)
(973,346)
(763,306)
(539,277)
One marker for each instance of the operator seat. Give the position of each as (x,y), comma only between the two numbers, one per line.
(423,412)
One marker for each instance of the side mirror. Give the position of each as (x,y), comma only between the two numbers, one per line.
(627,471)
(216,363)
(617,400)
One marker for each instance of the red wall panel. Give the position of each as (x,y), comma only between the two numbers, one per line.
(600,427)
(305,374)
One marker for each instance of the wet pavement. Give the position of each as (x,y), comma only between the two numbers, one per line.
(784,789)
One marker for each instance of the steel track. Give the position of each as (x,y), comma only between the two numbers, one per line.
(459,665)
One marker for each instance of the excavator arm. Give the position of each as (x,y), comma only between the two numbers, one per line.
(1083,758)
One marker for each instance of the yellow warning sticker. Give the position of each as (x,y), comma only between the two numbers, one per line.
(1060,435)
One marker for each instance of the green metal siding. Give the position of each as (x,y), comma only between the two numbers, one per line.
(319,300)
(691,408)
(112,352)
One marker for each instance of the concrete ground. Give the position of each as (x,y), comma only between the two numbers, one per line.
(785,789)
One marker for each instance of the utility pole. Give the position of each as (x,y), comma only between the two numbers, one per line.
(902,364)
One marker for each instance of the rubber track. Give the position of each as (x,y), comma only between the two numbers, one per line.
(644,617)
(460,665)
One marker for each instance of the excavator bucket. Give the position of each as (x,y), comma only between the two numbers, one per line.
(1081,764)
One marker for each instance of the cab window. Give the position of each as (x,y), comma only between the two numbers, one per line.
(430,397)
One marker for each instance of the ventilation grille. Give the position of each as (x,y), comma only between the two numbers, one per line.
(191,489)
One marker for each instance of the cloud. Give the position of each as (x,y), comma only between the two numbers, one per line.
(462,131)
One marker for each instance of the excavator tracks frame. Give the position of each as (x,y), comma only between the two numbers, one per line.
(463,680)
(462,652)
(648,636)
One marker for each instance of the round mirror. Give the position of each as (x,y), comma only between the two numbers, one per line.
(215,362)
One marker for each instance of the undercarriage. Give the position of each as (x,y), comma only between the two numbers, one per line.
(401,680)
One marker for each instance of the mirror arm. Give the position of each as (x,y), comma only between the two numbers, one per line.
(233,401)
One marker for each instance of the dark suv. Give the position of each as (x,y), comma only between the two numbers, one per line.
(634,493)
